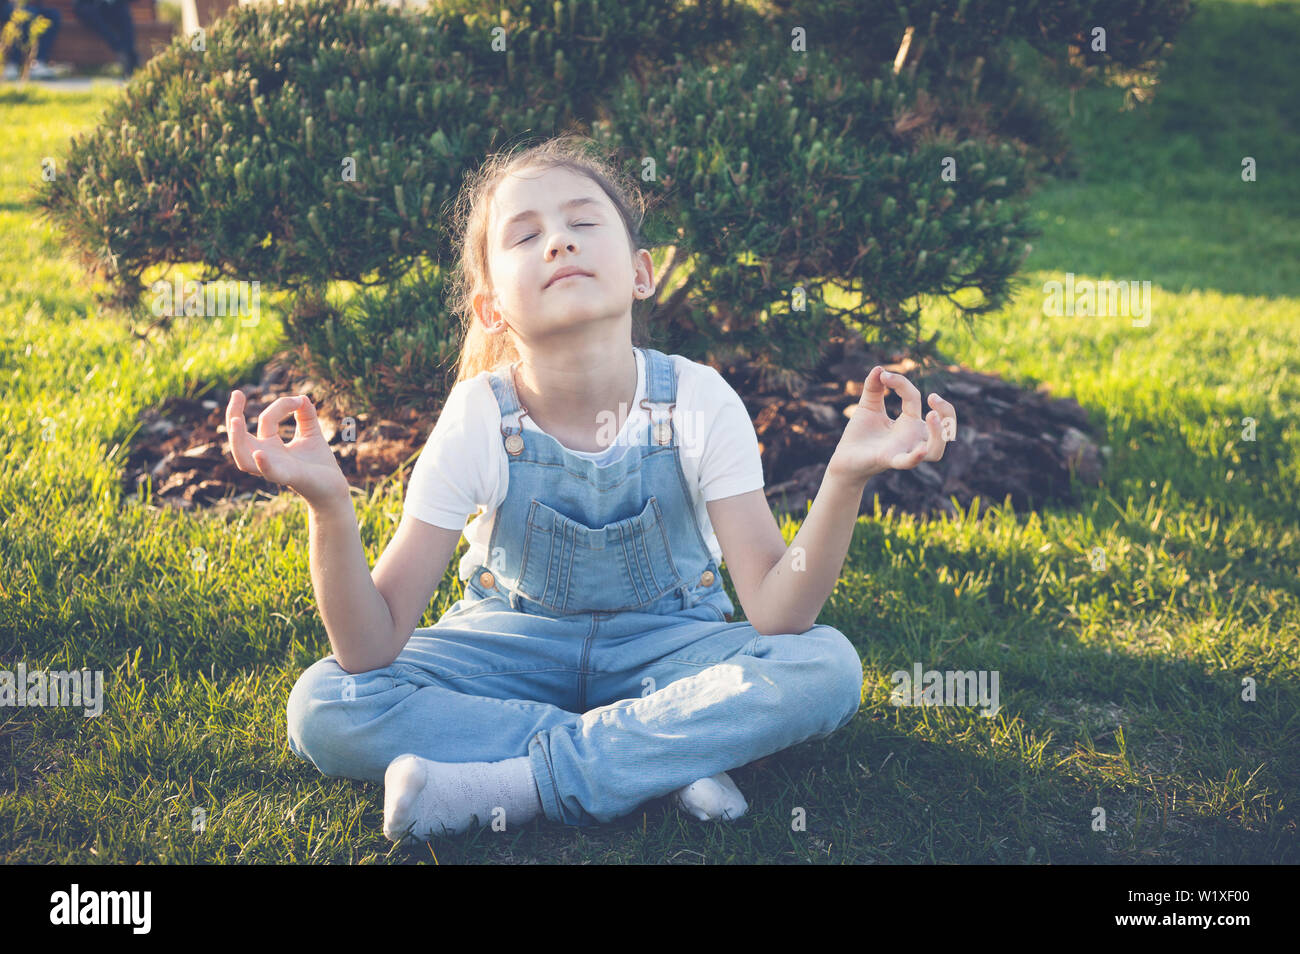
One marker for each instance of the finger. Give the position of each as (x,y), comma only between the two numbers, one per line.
(907,391)
(235,406)
(947,413)
(934,447)
(237,431)
(910,459)
(268,422)
(873,391)
(305,415)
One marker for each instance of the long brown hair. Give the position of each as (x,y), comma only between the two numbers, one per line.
(480,351)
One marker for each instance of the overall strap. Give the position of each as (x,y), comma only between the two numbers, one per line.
(512,411)
(661,391)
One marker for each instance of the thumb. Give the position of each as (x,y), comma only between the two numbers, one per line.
(305,414)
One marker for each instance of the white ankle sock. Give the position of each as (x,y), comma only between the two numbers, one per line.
(423,799)
(712,799)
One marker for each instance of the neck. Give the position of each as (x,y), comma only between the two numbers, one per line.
(580,397)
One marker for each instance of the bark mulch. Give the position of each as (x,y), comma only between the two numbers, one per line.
(1010,439)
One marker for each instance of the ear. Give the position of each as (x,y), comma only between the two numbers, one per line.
(485,304)
(645,273)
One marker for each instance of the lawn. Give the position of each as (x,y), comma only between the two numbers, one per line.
(1124,632)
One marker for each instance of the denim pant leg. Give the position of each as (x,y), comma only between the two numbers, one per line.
(475,687)
(119,17)
(722,696)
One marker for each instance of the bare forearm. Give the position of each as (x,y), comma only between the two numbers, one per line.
(795,590)
(357,618)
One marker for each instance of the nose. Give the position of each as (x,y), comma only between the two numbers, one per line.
(570,245)
(563,236)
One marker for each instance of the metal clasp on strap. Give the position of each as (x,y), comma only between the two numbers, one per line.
(663,426)
(514,439)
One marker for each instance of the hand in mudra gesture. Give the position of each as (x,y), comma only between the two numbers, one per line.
(306,465)
(872,442)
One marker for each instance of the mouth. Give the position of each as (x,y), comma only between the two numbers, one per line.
(556,281)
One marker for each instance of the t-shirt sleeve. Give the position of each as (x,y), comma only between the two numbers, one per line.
(730,463)
(451,477)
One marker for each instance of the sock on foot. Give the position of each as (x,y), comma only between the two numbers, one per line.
(423,798)
(713,799)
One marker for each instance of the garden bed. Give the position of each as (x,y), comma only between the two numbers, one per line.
(1010,440)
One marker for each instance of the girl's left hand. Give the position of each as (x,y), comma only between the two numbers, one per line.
(873,443)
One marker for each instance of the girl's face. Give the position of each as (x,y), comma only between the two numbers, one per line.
(540,223)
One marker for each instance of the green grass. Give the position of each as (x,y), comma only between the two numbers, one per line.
(1161,197)
(1120,683)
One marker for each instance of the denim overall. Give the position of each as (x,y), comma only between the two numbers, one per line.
(595,641)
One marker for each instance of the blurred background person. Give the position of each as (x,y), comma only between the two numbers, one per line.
(111,19)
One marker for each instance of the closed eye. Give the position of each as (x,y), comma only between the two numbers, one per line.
(534,234)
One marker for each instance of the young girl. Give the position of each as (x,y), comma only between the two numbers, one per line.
(590,665)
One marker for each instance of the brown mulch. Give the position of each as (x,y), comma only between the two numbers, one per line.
(1010,440)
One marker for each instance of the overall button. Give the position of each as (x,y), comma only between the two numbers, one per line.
(706,578)
(486,580)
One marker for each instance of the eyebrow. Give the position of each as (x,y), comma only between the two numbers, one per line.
(564,206)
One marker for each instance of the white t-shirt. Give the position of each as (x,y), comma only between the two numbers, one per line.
(463,471)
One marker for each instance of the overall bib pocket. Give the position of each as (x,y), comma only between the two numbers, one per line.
(569,567)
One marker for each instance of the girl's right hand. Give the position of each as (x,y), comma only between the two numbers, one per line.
(306,465)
